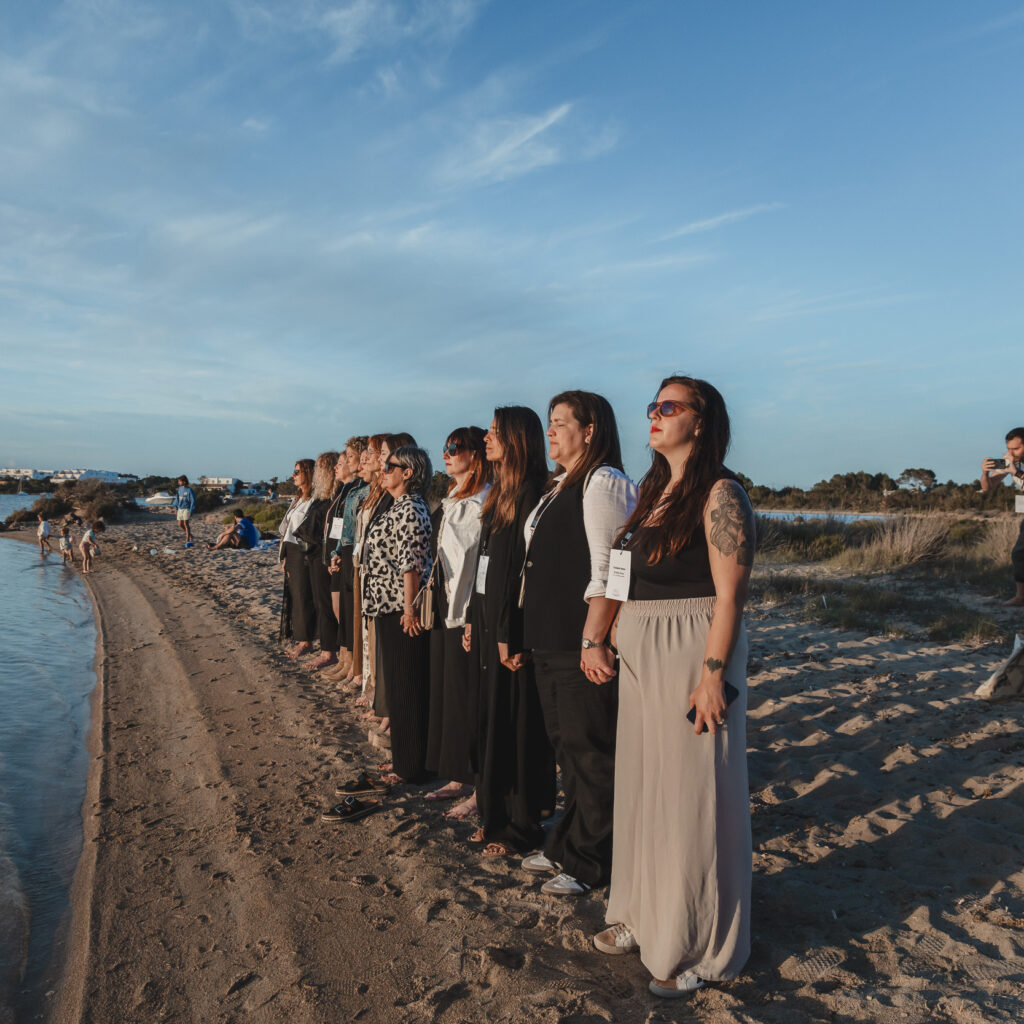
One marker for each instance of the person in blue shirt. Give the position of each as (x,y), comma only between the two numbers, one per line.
(242,534)
(185,504)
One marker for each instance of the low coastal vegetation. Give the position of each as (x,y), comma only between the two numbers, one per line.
(266,515)
(901,575)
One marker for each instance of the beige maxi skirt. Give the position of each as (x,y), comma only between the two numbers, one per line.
(681,856)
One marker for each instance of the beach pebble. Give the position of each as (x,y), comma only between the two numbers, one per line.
(152,551)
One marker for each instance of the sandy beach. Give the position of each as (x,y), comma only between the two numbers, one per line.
(887,809)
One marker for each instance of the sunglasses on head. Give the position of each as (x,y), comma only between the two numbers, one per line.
(451,448)
(667,408)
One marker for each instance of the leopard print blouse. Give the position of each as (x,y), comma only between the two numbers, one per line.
(395,543)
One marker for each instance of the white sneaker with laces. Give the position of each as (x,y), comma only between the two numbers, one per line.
(538,864)
(564,885)
(616,940)
(677,987)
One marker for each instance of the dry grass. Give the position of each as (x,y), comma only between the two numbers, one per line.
(877,609)
(903,541)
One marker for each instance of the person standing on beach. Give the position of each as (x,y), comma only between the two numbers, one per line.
(453,697)
(298,616)
(67,553)
(515,763)
(396,562)
(341,566)
(681,860)
(88,546)
(185,505)
(1012,467)
(566,618)
(43,534)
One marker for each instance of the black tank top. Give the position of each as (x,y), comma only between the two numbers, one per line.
(685,574)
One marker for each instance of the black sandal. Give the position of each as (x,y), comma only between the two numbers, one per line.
(362,783)
(350,809)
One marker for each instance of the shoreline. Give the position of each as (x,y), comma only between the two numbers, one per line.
(886,861)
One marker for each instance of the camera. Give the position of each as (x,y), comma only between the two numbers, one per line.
(999,463)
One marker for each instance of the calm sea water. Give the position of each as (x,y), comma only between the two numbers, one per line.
(840,517)
(47,646)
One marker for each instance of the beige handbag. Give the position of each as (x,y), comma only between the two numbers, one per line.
(423,602)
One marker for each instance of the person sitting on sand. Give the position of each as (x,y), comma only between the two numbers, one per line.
(185,504)
(242,534)
(43,534)
(67,556)
(88,546)
(1013,467)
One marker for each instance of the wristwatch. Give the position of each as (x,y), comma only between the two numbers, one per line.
(591,644)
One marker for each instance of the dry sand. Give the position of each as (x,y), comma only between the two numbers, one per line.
(887,817)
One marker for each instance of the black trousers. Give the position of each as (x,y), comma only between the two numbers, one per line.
(346,606)
(405,661)
(326,623)
(1017,556)
(580,719)
(303,614)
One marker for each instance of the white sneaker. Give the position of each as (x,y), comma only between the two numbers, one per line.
(564,885)
(538,864)
(616,940)
(675,988)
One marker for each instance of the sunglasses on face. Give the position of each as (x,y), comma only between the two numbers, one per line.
(667,408)
(389,465)
(452,448)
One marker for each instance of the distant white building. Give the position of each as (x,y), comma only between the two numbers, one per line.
(226,483)
(107,476)
(26,474)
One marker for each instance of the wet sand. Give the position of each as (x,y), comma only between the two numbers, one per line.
(887,813)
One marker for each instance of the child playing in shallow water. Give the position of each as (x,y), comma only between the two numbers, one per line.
(88,547)
(67,553)
(43,533)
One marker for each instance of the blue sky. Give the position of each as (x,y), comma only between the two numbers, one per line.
(233,233)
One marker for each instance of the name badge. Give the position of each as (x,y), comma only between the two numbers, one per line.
(617,588)
(1018,503)
(337,524)
(481,574)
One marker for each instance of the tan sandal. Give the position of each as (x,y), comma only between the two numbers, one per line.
(493,850)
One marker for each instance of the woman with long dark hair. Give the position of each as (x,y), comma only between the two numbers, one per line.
(566,619)
(453,697)
(396,558)
(298,616)
(515,782)
(313,533)
(680,886)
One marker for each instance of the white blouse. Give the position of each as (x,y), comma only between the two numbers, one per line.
(457,545)
(609,497)
(293,519)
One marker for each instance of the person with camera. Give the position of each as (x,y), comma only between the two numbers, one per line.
(1011,465)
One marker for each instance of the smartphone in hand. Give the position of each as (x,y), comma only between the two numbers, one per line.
(731,693)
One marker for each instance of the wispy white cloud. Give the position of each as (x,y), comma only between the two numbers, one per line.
(256,125)
(678,261)
(509,146)
(720,221)
(796,305)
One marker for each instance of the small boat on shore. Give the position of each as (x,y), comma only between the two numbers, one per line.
(160,498)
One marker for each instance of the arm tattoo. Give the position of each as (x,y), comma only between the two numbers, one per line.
(714,664)
(732,524)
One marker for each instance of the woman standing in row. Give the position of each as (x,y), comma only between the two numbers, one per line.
(342,566)
(369,469)
(396,564)
(453,699)
(313,534)
(566,619)
(515,782)
(680,885)
(298,616)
